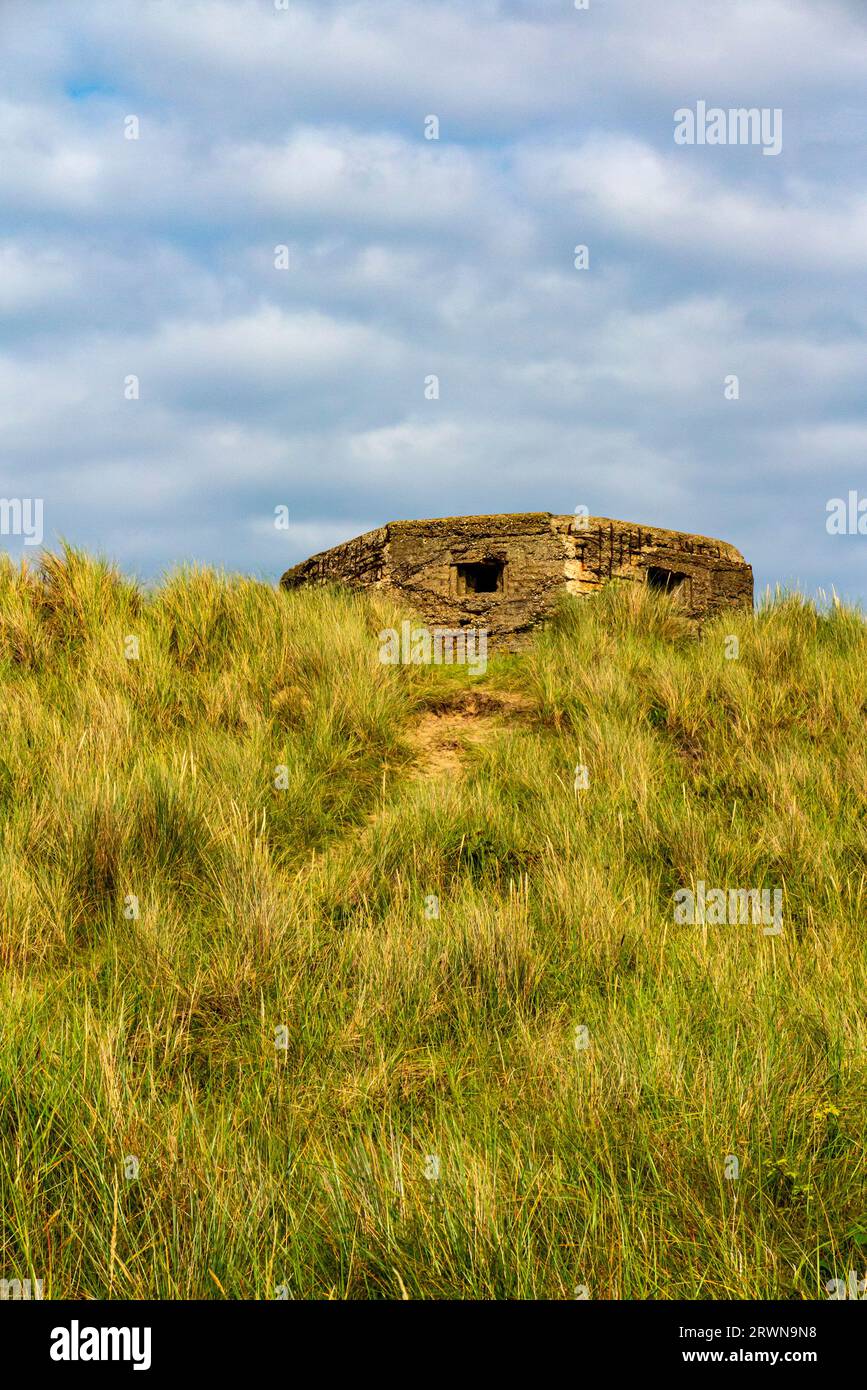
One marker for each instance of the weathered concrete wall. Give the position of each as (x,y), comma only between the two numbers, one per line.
(506,572)
(715,574)
(360,562)
(427,560)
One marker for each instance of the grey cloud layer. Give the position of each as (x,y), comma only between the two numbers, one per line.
(305,387)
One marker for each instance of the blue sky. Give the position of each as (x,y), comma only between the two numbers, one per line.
(305,388)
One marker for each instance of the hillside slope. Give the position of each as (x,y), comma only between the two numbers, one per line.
(323,977)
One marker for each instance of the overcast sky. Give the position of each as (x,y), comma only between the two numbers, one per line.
(262,387)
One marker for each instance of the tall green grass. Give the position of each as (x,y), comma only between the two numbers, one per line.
(223,837)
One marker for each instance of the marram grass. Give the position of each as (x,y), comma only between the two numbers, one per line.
(242,1059)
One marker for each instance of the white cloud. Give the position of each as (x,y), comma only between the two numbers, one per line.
(32,278)
(701,211)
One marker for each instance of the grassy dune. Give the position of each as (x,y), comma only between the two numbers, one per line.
(427,1126)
